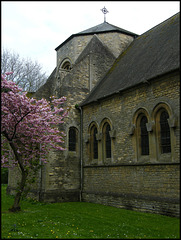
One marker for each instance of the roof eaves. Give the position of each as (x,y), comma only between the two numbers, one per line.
(126,88)
(68,39)
(92,33)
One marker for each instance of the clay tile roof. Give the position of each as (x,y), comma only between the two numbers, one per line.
(152,54)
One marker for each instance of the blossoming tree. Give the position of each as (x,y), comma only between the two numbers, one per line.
(29,129)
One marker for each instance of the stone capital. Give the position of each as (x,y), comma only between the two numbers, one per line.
(112,133)
(99,136)
(172,121)
(149,126)
(132,129)
(87,138)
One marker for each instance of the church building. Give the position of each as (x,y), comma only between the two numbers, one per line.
(123,128)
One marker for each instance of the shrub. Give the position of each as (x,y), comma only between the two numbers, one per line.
(4,175)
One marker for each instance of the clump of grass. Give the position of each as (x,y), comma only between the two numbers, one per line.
(82,221)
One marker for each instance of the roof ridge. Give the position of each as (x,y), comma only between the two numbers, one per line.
(161,23)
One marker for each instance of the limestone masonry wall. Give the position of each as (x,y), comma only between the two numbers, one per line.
(127,180)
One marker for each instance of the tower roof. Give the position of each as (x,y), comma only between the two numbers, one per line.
(105,27)
(101,28)
(152,54)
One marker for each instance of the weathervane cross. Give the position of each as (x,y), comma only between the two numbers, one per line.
(105,11)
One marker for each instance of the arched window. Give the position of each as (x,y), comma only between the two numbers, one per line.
(93,143)
(107,140)
(140,134)
(66,66)
(72,139)
(164,133)
(144,136)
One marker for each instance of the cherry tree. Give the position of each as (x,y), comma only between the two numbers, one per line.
(29,129)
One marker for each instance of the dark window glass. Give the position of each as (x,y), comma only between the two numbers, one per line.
(144,137)
(72,139)
(95,144)
(66,66)
(108,141)
(165,133)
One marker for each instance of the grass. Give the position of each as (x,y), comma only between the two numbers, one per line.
(82,221)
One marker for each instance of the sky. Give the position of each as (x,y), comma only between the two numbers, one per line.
(33,29)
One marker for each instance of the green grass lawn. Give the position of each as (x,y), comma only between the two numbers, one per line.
(82,221)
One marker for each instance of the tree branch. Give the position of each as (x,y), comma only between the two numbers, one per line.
(18,123)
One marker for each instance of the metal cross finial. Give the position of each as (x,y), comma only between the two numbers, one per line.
(104,10)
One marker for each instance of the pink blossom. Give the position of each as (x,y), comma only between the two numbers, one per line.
(8,73)
(26,123)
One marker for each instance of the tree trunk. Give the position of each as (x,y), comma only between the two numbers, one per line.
(24,174)
(16,204)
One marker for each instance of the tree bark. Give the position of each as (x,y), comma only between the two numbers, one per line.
(16,205)
(24,174)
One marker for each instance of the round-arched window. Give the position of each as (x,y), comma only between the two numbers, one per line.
(66,66)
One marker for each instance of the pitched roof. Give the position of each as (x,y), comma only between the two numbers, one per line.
(152,54)
(101,28)
(106,27)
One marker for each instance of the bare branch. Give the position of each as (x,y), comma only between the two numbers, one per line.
(27,74)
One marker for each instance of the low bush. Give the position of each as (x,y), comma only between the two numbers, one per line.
(4,175)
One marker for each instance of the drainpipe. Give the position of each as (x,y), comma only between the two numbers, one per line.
(81,152)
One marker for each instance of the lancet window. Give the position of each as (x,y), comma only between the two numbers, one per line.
(164,133)
(144,136)
(72,139)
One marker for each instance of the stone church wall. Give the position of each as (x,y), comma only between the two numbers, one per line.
(149,188)
(61,178)
(127,180)
(117,42)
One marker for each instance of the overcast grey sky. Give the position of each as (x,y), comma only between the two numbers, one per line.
(35,28)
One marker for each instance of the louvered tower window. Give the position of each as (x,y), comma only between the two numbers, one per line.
(66,65)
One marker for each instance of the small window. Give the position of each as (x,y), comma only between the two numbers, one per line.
(165,133)
(66,66)
(72,139)
(144,136)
